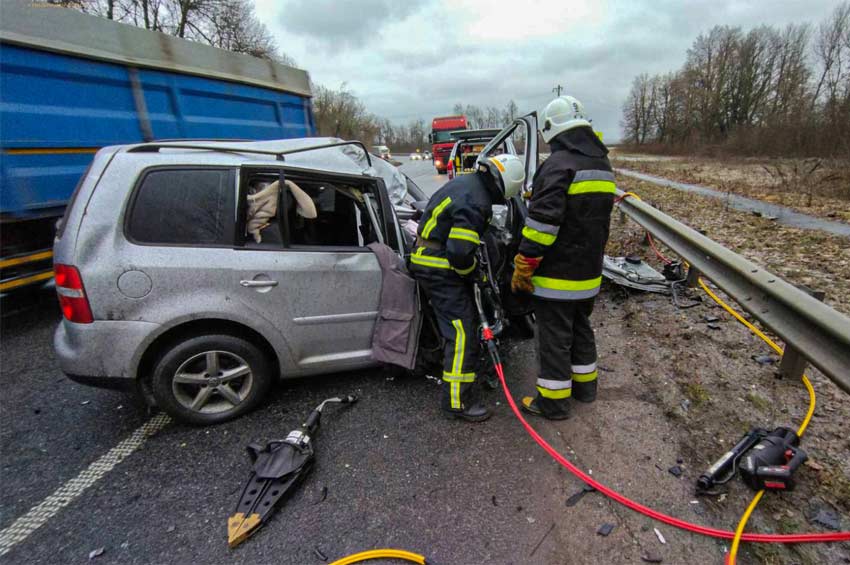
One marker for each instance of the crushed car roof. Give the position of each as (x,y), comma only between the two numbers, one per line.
(346,159)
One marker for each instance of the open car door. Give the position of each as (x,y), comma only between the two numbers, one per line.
(509,219)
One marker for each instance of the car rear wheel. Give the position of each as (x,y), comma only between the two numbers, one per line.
(211,379)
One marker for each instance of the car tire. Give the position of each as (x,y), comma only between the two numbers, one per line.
(211,379)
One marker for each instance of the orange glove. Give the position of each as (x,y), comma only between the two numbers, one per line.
(524,268)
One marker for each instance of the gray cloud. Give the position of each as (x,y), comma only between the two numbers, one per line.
(414,62)
(344,24)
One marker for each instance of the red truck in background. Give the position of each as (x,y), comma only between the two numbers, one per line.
(442,141)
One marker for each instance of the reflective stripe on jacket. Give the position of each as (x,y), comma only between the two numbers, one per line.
(456,217)
(569,216)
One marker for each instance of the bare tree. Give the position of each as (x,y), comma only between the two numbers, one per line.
(754,92)
(228,24)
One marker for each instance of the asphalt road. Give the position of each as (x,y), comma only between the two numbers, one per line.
(390,471)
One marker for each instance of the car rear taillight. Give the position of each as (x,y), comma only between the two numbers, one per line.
(72,295)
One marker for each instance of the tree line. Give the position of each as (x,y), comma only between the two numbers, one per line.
(227,24)
(339,113)
(766,91)
(233,25)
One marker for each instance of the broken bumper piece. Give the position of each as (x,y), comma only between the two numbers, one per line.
(632,272)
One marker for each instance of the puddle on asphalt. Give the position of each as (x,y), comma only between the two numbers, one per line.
(783,214)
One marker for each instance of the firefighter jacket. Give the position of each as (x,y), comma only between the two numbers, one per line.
(453,223)
(569,216)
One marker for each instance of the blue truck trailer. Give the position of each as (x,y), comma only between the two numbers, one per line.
(71,83)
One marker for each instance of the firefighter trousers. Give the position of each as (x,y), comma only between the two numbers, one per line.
(454,306)
(567,353)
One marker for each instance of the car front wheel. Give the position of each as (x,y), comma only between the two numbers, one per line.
(211,379)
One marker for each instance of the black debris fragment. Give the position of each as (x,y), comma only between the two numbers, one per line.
(651,557)
(676,471)
(713,326)
(827,518)
(711,319)
(605,529)
(318,553)
(494,501)
(574,499)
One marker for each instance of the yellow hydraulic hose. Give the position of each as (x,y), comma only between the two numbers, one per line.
(382,554)
(739,531)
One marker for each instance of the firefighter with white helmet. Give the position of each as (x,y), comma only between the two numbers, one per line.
(444,262)
(560,255)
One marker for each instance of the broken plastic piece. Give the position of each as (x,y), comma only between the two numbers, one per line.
(605,529)
(632,272)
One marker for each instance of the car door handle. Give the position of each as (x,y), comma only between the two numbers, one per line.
(257,284)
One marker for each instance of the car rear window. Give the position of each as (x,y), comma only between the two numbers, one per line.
(184,207)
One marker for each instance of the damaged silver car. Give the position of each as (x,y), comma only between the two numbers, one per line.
(202,271)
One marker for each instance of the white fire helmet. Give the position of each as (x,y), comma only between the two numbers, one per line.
(561,114)
(507,170)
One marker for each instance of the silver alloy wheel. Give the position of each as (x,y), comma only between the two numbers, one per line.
(212,382)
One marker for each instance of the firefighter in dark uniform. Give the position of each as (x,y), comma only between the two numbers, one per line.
(560,256)
(444,262)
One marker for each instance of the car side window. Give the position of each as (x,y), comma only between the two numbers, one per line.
(184,207)
(308,212)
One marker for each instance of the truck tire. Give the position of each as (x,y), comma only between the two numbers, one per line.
(211,379)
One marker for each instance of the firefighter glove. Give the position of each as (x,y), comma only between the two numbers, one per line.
(524,268)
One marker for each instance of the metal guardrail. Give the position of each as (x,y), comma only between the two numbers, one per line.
(811,329)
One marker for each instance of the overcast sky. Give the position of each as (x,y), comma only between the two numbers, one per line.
(408,59)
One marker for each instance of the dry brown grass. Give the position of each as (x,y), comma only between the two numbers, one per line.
(811,186)
(816,259)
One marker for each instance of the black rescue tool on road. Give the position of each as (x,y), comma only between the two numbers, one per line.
(766,460)
(277,468)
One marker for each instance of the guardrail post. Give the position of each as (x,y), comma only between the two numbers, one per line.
(793,364)
(692,279)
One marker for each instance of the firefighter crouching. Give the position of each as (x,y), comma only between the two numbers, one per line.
(560,256)
(444,262)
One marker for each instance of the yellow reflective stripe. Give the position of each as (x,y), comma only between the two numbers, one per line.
(434,262)
(460,342)
(555,394)
(428,261)
(585,377)
(465,234)
(464,272)
(52,151)
(564,284)
(457,364)
(454,394)
(588,186)
(432,221)
(23,281)
(538,236)
(32,258)
(460,377)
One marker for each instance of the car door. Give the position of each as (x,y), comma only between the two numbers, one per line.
(321,294)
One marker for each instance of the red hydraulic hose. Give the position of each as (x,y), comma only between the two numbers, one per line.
(645,510)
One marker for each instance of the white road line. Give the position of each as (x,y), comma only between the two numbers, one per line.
(67,493)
